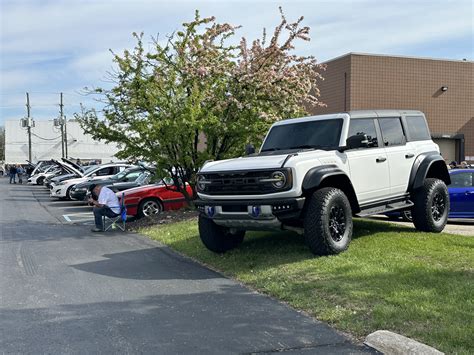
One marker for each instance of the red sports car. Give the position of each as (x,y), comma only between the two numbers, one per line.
(152,199)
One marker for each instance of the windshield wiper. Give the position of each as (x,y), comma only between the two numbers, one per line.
(308,146)
(270,149)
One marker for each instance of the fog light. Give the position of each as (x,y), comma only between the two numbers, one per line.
(255,211)
(210,211)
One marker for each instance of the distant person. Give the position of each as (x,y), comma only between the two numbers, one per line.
(107,204)
(13,174)
(20,171)
(464,165)
(453,164)
(78,162)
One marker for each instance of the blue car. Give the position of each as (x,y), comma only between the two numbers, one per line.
(461,196)
(461,193)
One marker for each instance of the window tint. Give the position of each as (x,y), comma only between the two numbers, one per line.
(132,176)
(364,126)
(105,171)
(392,131)
(461,180)
(322,133)
(417,128)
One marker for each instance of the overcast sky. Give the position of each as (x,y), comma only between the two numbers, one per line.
(49,46)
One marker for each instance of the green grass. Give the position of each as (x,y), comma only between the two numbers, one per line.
(391,277)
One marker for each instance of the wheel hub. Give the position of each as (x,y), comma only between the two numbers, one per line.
(438,206)
(150,208)
(337,223)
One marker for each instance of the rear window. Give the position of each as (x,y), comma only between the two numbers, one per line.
(417,128)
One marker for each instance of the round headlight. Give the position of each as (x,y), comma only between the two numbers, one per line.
(280,179)
(200,182)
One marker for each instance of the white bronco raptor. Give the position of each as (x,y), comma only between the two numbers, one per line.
(313,174)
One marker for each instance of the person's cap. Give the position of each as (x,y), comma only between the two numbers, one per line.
(92,187)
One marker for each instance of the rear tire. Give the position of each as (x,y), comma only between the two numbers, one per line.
(328,222)
(217,238)
(40,181)
(430,213)
(149,207)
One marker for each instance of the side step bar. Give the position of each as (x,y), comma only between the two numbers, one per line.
(380,209)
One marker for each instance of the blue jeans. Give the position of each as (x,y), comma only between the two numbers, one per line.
(13,177)
(100,212)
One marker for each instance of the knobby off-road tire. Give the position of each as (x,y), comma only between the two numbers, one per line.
(217,238)
(431,209)
(328,222)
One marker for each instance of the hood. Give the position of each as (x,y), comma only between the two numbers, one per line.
(246,163)
(140,189)
(63,177)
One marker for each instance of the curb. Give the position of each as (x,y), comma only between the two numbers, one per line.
(395,344)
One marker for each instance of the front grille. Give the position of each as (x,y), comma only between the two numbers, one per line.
(242,183)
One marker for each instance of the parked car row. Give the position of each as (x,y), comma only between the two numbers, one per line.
(144,192)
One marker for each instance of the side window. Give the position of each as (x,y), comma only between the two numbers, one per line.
(392,131)
(106,171)
(364,126)
(417,128)
(461,180)
(133,176)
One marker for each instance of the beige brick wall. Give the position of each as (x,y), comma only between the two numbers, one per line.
(383,82)
(332,88)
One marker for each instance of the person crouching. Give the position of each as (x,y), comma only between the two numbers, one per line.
(107,204)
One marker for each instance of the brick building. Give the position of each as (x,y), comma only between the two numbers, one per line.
(442,89)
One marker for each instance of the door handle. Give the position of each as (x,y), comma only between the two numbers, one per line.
(409,155)
(380,159)
(469,193)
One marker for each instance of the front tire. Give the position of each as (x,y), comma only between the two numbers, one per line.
(328,222)
(430,213)
(217,238)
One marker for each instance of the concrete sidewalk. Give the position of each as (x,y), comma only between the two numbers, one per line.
(66,290)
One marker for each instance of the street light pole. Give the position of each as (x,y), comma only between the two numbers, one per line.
(61,122)
(28,120)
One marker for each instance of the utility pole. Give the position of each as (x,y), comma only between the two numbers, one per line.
(28,120)
(61,123)
(65,136)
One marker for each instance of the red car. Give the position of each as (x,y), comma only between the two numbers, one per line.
(153,199)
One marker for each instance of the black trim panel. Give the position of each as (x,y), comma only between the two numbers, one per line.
(420,168)
(315,176)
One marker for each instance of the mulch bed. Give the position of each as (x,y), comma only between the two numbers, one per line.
(166,217)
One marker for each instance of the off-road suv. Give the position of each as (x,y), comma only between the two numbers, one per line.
(313,174)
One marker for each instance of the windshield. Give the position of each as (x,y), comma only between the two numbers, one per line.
(121,175)
(304,135)
(144,178)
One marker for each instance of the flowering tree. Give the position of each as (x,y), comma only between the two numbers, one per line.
(196,98)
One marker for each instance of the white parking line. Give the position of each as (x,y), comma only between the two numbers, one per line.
(78,217)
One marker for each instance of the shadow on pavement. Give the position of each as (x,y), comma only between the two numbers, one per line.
(228,320)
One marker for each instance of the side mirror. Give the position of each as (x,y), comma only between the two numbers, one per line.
(249,149)
(357,141)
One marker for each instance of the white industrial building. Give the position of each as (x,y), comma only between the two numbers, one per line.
(46,143)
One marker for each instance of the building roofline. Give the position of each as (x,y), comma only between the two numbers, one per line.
(396,56)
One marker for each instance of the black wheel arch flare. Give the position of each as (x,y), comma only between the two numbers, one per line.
(330,176)
(428,164)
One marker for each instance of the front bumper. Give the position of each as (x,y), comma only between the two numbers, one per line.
(252,214)
(57,192)
(79,195)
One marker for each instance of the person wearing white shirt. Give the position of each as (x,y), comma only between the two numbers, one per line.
(107,204)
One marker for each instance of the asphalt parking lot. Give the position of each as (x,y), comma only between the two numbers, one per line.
(66,290)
